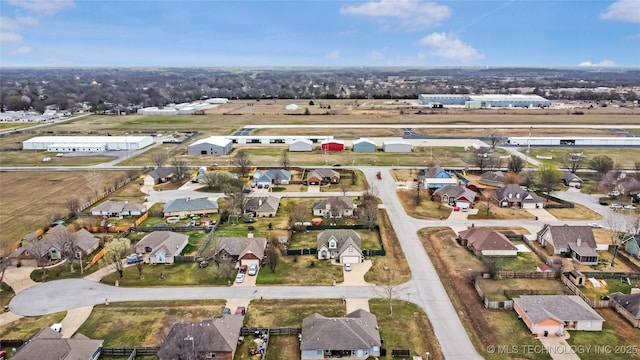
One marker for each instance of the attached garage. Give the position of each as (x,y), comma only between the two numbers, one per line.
(250,260)
(350,259)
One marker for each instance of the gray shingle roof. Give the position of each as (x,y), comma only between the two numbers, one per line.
(631,302)
(188,204)
(119,207)
(85,240)
(271,175)
(563,235)
(49,345)
(162,172)
(168,240)
(357,330)
(262,204)
(219,334)
(514,189)
(559,307)
(456,192)
(323,173)
(347,203)
(495,176)
(341,236)
(239,246)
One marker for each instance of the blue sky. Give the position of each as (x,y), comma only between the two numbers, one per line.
(70,33)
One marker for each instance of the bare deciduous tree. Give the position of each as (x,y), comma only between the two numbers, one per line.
(39,251)
(225,269)
(573,162)
(617,233)
(159,158)
(180,166)
(516,164)
(65,242)
(272,254)
(242,161)
(549,177)
(389,289)
(284,160)
(496,138)
(297,214)
(73,204)
(336,207)
(601,164)
(116,250)
(95,182)
(368,209)
(511,178)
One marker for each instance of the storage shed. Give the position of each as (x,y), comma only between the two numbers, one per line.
(332,145)
(302,145)
(214,145)
(397,146)
(364,145)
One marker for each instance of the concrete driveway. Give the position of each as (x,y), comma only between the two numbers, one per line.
(542,214)
(558,347)
(19,278)
(356,275)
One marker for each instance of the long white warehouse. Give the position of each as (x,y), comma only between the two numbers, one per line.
(573,141)
(86,143)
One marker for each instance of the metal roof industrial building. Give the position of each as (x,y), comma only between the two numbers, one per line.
(82,143)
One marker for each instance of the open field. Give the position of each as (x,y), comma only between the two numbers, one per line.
(35,158)
(579,212)
(144,323)
(623,157)
(27,199)
(14,125)
(289,313)
(394,258)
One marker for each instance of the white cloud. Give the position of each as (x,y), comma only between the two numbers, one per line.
(48,7)
(8,37)
(412,13)
(21,50)
(332,55)
(375,55)
(625,10)
(449,46)
(604,63)
(14,24)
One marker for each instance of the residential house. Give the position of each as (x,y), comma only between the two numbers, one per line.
(301,145)
(632,247)
(570,179)
(629,185)
(85,243)
(492,178)
(436,177)
(213,145)
(397,146)
(215,338)
(159,175)
(627,305)
(332,145)
(455,195)
(322,176)
(186,207)
(577,241)
(487,242)
(344,245)
(363,145)
(334,207)
(354,336)
(118,208)
(262,206)
(48,344)
(160,247)
(547,315)
(271,177)
(246,251)
(512,195)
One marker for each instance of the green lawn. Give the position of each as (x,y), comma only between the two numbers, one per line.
(26,327)
(523,262)
(605,344)
(6,294)
(625,157)
(144,323)
(506,289)
(178,274)
(613,285)
(512,334)
(301,270)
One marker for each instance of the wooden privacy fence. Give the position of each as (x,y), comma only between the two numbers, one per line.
(574,289)
(126,351)
(245,331)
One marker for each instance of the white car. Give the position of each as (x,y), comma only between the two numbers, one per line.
(630,207)
(595,225)
(615,206)
(347,267)
(240,278)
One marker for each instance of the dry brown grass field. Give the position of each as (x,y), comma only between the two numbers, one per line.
(29,198)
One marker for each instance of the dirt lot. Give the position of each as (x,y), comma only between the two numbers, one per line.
(28,199)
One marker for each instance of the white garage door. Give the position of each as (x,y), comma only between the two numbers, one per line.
(250,262)
(350,259)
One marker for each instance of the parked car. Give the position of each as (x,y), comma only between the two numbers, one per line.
(336,165)
(248,220)
(241,310)
(253,270)
(242,268)
(595,225)
(203,264)
(629,207)
(226,311)
(615,206)
(347,267)
(57,327)
(134,258)
(161,225)
(614,193)
(240,277)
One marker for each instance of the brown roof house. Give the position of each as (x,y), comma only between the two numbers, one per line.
(512,195)
(354,336)
(262,206)
(49,246)
(577,241)
(548,315)
(215,338)
(48,344)
(246,251)
(160,247)
(487,242)
(322,176)
(85,243)
(334,207)
(492,178)
(455,195)
(159,176)
(344,245)
(570,179)
(627,305)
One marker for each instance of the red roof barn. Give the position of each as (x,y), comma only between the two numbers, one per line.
(332,145)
